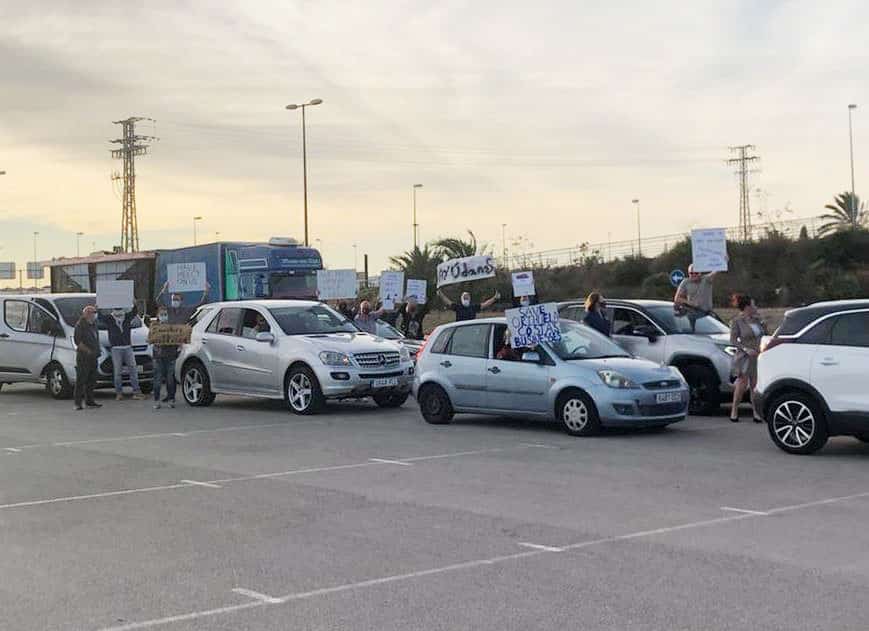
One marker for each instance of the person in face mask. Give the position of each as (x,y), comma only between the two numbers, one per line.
(164,365)
(367,318)
(178,312)
(466,309)
(87,351)
(119,323)
(412,314)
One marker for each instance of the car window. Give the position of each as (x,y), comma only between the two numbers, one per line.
(818,334)
(42,302)
(39,321)
(470,341)
(15,314)
(627,321)
(439,346)
(253,322)
(71,308)
(687,320)
(226,323)
(851,329)
(574,312)
(579,341)
(314,320)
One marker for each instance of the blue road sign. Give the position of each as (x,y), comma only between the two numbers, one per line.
(676,277)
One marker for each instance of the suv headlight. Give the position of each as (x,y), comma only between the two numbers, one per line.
(729,350)
(331,358)
(403,354)
(615,379)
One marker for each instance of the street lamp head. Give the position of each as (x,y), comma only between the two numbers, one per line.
(417,185)
(635,201)
(315,101)
(197,219)
(292,106)
(852,106)
(2,172)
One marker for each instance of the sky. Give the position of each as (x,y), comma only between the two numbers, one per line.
(549,117)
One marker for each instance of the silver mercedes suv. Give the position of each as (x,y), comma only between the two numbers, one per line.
(301,351)
(695,342)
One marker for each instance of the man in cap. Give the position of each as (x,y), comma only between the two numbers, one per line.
(87,351)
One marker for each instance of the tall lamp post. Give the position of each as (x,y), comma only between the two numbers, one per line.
(415,225)
(636,203)
(302,106)
(78,236)
(195,219)
(851,108)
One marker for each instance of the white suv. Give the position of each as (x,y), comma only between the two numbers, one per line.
(812,376)
(301,351)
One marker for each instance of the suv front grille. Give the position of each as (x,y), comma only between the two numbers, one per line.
(663,384)
(386,359)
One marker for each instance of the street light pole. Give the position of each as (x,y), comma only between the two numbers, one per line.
(35,234)
(851,108)
(355,257)
(195,219)
(78,236)
(636,202)
(504,243)
(302,106)
(415,225)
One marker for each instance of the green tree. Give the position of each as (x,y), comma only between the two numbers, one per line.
(849,213)
(421,264)
(456,248)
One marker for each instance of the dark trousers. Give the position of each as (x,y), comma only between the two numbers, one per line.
(85,379)
(164,370)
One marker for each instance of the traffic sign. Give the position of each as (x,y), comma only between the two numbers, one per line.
(676,277)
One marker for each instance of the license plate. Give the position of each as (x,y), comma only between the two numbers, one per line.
(386,382)
(668,397)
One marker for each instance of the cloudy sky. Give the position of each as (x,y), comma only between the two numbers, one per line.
(549,117)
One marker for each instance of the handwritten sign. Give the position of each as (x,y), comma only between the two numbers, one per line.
(186,277)
(523,284)
(531,325)
(114,294)
(465,269)
(417,289)
(168,334)
(335,284)
(391,288)
(709,250)
(7,271)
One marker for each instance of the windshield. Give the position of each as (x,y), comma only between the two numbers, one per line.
(316,319)
(70,308)
(687,320)
(579,341)
(387,331)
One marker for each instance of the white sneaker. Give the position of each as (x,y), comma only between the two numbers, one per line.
(157,406)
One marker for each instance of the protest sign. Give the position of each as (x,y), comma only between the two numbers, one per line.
(391,288)
(168,334)
(184,277)
(335,284)
(531,325)
(465,269)
(709,250)
(35,271)
(417,289)
(523,284)
(7,271)
(114,294)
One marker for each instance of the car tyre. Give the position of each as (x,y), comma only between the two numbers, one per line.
(57,383)
(704,398)
(796,423)
(577,413)
(391,399)
(302,391)
(435,405)
(196,385)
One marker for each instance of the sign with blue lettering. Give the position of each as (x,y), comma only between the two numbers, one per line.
(534,324)
(676,277)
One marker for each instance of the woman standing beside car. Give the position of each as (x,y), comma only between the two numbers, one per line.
(746,331)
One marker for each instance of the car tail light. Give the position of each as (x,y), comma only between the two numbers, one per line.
(422,347)
(775,341)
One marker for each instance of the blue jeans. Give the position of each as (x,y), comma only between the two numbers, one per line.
(121,357)
(164,370)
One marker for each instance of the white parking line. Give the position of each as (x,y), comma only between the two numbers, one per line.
(73,498)
(257,596)
(476,452)
(12,450)
(208,485)
(743,510)
(537,546)
(384,461)
(536,551)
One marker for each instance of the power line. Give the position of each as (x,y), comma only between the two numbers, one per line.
(132,145)
(743,161)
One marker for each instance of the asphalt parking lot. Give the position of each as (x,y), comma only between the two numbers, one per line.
(242,516)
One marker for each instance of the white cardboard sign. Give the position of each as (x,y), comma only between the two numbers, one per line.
(7,271)
(391,288)
(114,294)
(335,284)
(465,269)
(532,325)
(418,289)
(523,284)
(184,277)
(709,250)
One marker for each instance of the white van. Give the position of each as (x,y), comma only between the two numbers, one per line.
(36,343)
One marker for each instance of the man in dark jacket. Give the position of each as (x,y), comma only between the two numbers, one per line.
(119,324)
(412,314)
(87,351)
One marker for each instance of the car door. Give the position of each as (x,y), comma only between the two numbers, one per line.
(256,361)
(630,330)
(219,342)
(515,385)
(839,369)
(15,362)
(464,365)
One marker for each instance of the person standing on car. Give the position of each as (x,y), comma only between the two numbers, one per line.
(87,351)
(465,309)
(696,290)
(746,331)
(595,314)
(119,324)
(164,364)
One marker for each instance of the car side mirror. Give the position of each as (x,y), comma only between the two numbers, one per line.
(531,357)
(265,337)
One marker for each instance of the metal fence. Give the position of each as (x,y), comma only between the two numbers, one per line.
(651,246)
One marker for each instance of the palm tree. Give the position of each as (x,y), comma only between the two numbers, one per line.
(419,263)
(455,248)
(849,213)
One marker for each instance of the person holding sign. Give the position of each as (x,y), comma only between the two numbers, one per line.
(412,314)
(164,364)
(178,313)
(119,325)
(467,310)
(696,290)
(366,319)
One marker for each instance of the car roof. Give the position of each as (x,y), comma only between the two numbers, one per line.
(641,303)
(31,296)
(796,320)
(266,303)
